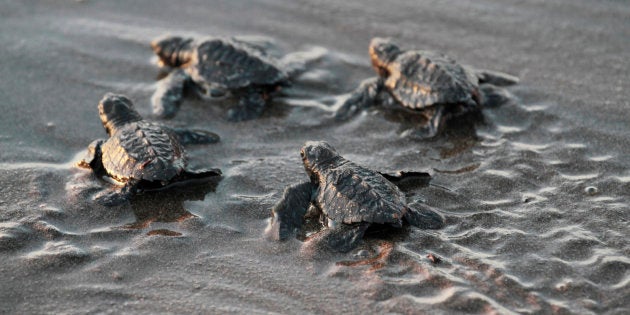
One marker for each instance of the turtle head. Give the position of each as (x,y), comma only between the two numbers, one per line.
(115,111)
(173,51)
(382,52)
(318,155)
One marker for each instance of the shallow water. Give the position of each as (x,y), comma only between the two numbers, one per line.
(535,194)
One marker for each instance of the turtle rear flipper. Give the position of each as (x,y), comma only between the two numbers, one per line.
(169,94)
(288,214)
(297,63)
(210,90)
(494,96)
(344,237)
(251,105)
(495,77)
(424,217)
(408,180)
(116,197)
(364,96)
(258,44)
(191,174)
(196,136)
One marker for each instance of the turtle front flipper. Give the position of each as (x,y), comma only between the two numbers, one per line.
(169,94)
(287,215)
(196,136)
(92,158)
(251,105)
(364,96)
(344,237)
(423,216)
(117,197)
(495,77)
(408,180)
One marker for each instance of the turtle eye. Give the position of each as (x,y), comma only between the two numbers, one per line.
(302,153)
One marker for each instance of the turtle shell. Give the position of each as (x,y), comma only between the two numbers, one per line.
(233,65)
(419,79)
(143,151)
(350,193)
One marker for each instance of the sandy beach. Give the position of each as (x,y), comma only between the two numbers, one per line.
(535,193)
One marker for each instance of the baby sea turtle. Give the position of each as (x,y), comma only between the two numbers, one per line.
(140,155)
(430,83)
(350,198)
(215,67)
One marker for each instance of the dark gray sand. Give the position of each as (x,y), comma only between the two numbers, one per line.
(536,195)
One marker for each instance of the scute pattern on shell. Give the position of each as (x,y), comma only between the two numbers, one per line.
(418,79)
(233,65)
(350,193)
(143,151)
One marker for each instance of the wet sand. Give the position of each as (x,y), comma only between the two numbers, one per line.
(535,194)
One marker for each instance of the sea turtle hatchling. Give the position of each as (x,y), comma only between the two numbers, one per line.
(216,67)
(140,155)
(350,198)
(426,82)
